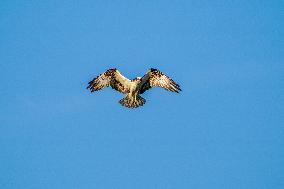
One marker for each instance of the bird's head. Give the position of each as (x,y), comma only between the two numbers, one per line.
(137,79)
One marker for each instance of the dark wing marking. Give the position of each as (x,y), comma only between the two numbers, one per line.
(155,78)
(113,78)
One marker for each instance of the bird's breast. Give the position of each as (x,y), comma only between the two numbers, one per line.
(134,86)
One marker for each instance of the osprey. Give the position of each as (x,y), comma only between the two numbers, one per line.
(133,88)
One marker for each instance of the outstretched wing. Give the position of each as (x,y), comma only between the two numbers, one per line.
(155,78)
(113,78)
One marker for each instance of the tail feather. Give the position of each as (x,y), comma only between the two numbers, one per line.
(132,101)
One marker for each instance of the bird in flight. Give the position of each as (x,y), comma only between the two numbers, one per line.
(133,88)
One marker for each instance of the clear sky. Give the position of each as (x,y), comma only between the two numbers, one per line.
(224,131)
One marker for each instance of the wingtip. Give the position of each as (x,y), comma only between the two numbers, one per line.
(178,90)
(90,88)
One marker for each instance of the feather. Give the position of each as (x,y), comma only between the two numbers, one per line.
(113,78)
(156,78)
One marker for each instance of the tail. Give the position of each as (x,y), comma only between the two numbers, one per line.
(132,101)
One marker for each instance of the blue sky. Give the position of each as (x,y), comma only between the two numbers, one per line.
(225,130)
